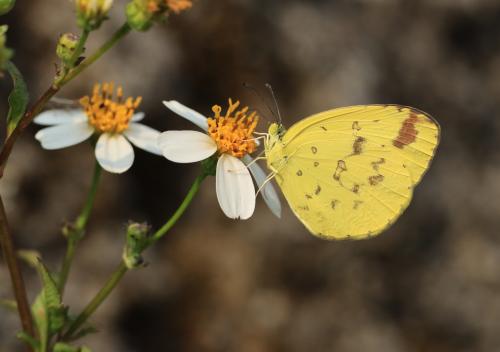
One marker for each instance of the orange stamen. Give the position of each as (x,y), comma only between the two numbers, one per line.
(233,132)
(106,114)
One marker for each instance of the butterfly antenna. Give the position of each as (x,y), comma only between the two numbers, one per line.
(268,86)
(256,92)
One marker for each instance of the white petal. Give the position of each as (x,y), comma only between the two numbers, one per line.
(234,187)
(268,192)
(138,116)
(114,153)
(189,114)
(65,135)
(60,116)
(143,137)
(186,146)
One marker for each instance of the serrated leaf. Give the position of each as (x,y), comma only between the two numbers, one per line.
(51,294)
(18,97)
(29,340)
(52,313)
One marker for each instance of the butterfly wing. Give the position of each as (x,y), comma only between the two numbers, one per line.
(350,172)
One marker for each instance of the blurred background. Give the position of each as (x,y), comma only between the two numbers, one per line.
(430,283)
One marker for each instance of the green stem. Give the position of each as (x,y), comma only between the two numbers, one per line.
(122,269)
(119,34)
(96,301)
(75,233)
(178,213)
(80,47)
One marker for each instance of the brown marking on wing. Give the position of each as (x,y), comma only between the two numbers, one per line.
(356,204)
(357,146)
(341,167)
(375,180)
(376,164)
(317,190)
(355,188)
(408,133)
(355,126)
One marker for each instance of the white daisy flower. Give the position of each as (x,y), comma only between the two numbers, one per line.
(113,120)
(230,136)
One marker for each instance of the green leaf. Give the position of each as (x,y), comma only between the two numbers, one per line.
(18,97)
(64,347)
(29,340)
(41,321)
(30,257)
(49,313)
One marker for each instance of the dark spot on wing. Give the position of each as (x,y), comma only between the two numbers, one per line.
(356,204)
(316,164)
(323,128)
(334,203)
(357,147)
(355,126)
(314,150)
(355,188)
(299,173)
(375,180)
(308,196)
(341,167)
(376,164)
(317,190)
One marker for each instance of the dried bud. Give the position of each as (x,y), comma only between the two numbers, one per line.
(91,13)
(66,47)
(6,6)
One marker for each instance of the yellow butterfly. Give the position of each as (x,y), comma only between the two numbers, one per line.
(350,172)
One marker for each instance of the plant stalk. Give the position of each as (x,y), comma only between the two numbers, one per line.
(10,256)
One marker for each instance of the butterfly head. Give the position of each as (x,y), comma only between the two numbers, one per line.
(275,134)
(276,130)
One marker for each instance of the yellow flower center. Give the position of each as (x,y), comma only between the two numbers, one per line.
(107,114)
(233,132)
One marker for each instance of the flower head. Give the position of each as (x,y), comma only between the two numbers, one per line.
(91,13)
(111,117)
(141,14)
(106,113)
(233,132)
(230,137)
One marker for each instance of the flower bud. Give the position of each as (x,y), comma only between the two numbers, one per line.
(91,13)
(66,47)
(136,242)
(139,16)
(6,6)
